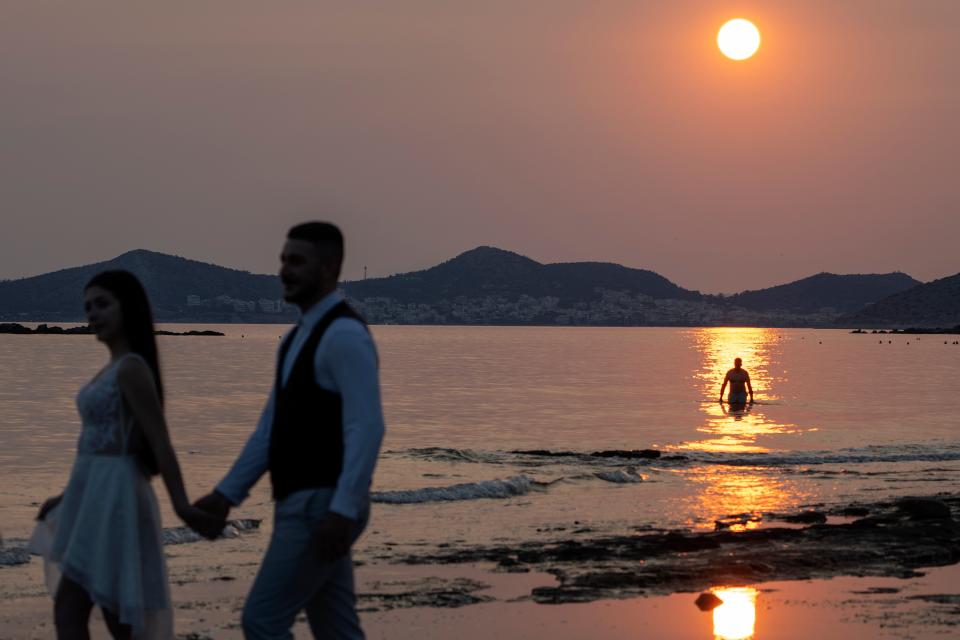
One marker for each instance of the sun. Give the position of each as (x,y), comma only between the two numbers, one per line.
(738,39)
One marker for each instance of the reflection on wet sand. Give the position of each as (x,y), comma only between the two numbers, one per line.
(736,618)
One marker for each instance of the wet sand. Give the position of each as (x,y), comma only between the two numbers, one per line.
(854,608)
(891,572)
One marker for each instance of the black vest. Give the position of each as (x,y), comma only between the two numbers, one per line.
(306,440)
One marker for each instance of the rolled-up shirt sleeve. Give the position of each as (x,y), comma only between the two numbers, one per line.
(351,360)
(253,460)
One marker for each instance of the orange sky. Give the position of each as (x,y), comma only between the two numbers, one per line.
(561,130)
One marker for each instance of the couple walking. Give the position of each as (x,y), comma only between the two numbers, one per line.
(319,437)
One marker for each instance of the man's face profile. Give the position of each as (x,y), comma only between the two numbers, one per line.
(301,271)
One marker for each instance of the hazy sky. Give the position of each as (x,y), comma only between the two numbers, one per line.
(565,131)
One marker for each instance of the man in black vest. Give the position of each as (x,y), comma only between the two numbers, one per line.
(319,437)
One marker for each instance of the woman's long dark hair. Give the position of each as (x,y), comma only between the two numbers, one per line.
(137,317)
(138,330)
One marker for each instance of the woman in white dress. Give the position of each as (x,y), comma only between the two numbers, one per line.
(107,543)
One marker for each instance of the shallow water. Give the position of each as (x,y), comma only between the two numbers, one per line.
(840,417)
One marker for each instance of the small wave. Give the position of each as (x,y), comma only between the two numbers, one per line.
(631,454)
(11,555)
(507,488)
(17,551)
(938,452)
(620,476)
(447,454)
(186,535)
(681,456)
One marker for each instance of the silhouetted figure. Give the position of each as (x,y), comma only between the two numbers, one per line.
(103,532)
(739,381)
(319,437)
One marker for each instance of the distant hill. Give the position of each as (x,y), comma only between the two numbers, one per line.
(935,304)
(491,286)
(841,293)
(167,279)
(488,271)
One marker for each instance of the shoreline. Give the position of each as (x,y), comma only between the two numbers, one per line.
(17,329)
(875,562)
(891,329)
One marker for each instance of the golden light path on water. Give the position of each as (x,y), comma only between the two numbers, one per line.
(736,618)
(736,430)
(729,490)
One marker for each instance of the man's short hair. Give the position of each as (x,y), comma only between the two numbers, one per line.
(325,236)
(737,361)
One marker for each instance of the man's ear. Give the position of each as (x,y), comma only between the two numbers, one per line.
(329,272)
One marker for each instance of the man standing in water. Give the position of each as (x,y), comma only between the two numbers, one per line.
(739,381)
(319,437)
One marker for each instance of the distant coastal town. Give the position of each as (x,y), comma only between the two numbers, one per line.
(613,308)
(225,302)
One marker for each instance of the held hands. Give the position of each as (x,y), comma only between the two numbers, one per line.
(208,515)
(215,504)
(206,524)
(333,536)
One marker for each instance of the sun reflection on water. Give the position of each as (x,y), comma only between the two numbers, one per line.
(736,618)
(739,489)
(737,429)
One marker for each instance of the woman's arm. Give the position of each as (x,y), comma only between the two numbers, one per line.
(140,393)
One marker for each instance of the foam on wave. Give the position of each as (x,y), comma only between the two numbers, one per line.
(620,476)
(448,454)
(14,554)
(505,488)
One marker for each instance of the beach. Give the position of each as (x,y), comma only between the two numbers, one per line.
(474,601)
(562,482)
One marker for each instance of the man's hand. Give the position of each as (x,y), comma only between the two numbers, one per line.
(333,536)
(207,524)
(214,504)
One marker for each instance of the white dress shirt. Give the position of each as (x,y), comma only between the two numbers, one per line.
(346,363)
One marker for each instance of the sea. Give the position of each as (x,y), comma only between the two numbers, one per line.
(498,434)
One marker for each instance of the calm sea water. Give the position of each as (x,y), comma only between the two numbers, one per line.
(839,418)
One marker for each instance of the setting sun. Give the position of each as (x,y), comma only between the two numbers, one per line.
(738,39)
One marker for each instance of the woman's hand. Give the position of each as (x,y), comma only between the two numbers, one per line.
(48,504)
(206,524)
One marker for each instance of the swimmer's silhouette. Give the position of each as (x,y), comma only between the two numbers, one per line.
(739,381)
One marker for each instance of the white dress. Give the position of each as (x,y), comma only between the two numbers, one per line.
(106,533)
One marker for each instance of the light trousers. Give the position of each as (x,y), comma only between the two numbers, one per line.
(292,578)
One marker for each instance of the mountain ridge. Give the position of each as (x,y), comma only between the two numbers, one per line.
(492,271)
(824,289)
(931,304)
(484,285)
(166,278)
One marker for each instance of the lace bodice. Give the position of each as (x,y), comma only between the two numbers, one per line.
(107,424)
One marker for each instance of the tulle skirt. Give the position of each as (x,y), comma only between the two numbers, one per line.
(105,535)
